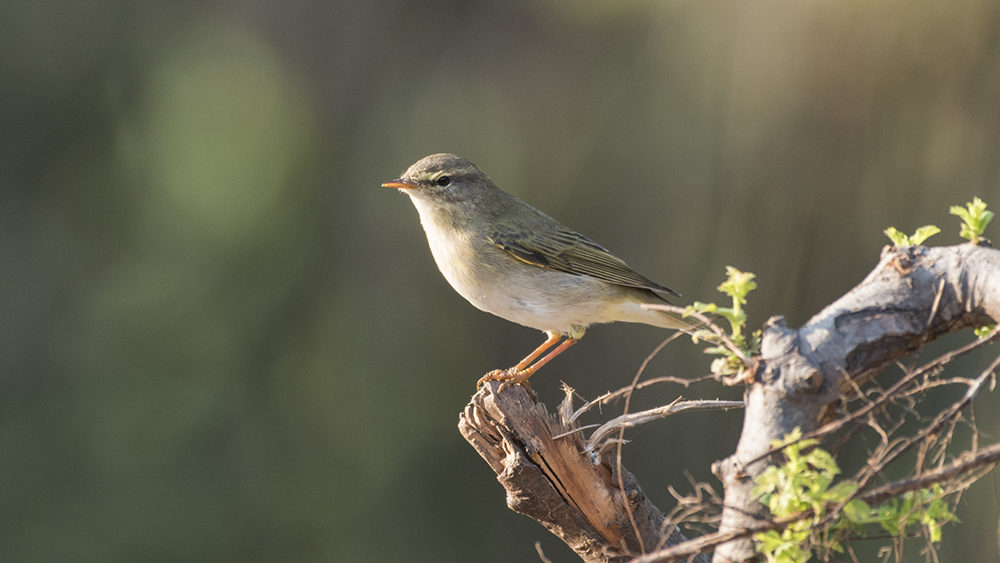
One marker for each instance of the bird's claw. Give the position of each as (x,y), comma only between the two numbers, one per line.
(506,377)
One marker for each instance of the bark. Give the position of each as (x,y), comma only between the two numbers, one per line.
(572,492)
(914,295)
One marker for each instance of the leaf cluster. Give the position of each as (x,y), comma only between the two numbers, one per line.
(901,239)
(804,485)
(925,507)
(737,285)
(974,217)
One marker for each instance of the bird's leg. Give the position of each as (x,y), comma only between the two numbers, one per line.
(504,375)
(523,375)
(552,339)
(515,376)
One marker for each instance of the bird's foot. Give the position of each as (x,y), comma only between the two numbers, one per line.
(506,377)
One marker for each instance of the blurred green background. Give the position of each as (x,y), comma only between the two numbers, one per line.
(223,341)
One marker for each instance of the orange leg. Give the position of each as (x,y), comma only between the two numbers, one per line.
(552,339)
(502,375)
(522,371)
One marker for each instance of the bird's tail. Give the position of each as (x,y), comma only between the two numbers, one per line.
(672,320)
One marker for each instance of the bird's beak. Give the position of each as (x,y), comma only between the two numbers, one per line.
(400,183)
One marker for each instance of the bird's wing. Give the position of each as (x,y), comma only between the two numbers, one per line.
(568,251)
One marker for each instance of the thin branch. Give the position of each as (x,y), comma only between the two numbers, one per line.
(541,554)
(892,392)
(621,435)
(719,331)
(964,464)
(594,443)
(625,390)
(611,395)
(939,421)
(707,542)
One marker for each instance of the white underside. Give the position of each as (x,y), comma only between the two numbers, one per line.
(540,298)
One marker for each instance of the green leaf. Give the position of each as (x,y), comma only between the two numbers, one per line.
(924,233)
(700,307)
(918,237)
(736,317)
(974,217)
(858,512)
(805,482)
(722,366)
(897,237)
(888,515)
(738,285)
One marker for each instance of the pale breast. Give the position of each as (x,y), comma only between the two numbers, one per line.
(542,298)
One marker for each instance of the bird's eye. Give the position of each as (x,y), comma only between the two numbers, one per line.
(443,181)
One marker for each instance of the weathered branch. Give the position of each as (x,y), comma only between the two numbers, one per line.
(914,295)
(556,481)
(968,462)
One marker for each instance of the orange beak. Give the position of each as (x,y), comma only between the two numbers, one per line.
(400,183)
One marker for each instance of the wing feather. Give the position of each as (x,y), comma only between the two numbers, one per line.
(568,251)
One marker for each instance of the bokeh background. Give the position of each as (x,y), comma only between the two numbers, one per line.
(221,340)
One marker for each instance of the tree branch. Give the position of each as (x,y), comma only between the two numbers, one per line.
(556,481)
(967,462)
(914,295)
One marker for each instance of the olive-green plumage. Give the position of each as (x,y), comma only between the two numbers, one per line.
(510,259)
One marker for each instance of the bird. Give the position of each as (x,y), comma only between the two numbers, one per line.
(512,260)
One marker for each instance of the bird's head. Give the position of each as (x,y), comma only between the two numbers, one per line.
(443,178)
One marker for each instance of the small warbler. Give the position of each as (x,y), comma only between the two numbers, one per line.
(510,259)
